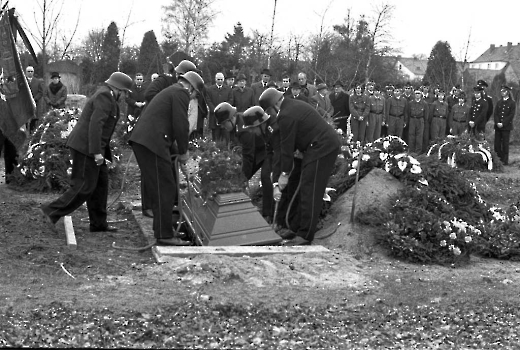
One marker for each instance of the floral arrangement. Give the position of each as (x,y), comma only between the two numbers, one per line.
(501,235)
(219,171)
(466,152)
(46,165)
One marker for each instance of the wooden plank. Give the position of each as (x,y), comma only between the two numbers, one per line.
(69,232)
(162,252)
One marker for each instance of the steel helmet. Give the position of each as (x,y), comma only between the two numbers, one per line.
(120,81)
(254,116)
(185,66)
(269,98)
(194,79)
(224,111)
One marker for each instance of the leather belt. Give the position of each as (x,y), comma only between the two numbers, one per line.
(396,116)
(416,117)
(438,116)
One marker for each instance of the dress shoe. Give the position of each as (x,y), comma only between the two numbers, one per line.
(103,229)
(285,233)
(173,241)
(148,213)
(296,241)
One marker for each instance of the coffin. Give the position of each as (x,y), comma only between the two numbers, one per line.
(226,220)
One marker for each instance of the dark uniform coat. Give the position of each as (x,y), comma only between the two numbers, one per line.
(340,103)
(159,84)
(478,114)
(504,113)
(137,95)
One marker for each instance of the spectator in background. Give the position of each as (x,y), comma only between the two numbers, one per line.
(135,99)
(459,116)
(340,103)
(359,110)
(243,96)
(395,112)
(286,85)
(503,117)
(296,93)
(439,111)
(376,103)
(477,112)
(307,89)
(230,79)
(217,94)
(322,102)
(56,93)
(481,128)
(263,84)
(37,88)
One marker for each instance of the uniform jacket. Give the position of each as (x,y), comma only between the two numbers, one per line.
(340,103)
(243,99)
(57,99)
(478,111)
(258,88)
(322,105)
(504,113)
(417,109)
(459,113)
(159,84)
(214,97)
(302,128)
(376,105)
(164,122)
(137,95)
(359,107)
(37,89)
(439,109)
(396,108)
(489,100)
(95,126)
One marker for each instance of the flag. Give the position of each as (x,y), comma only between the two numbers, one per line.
(17,105)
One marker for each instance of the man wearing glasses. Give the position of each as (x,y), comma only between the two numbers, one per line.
(37,88)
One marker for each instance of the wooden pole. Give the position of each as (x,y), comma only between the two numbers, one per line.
(360,157)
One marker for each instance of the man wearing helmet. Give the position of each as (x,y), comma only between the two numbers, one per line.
(162,125)
(89,146)
(302,128)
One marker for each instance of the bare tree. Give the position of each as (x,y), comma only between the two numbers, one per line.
(378,33)
(187,22)
(320,36)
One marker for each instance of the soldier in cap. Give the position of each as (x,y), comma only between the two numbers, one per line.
(340,103)
(459,116)
(256,150)
(439,111)
(429,98)
(503,116)
(389,91)
(162,125)
(481,128)
(395,112)
(302,128)
(369,90)
(377,106)
(477,112)
(417,112)
(359,110)
(89,144)
(408,92)
(261,85)
(216,94)
(322,102)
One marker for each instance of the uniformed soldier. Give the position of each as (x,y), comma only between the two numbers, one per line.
(302,128)
(459,116)
(417,110)
(359,110)
(503,117)
(477,112)
(481,128)
(377,106)
(408,92)
(395,112)
(439,111)
(429,98)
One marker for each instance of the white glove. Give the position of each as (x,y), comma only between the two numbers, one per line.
(277,194)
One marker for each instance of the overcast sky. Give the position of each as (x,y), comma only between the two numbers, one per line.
(416,26)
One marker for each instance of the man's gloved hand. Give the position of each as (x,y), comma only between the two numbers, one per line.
(283,180)
(277,194)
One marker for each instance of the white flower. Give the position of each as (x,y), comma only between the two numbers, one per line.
(387,167)
(443,243)
(383,156)
(423,182)
(352,172)
(339,131)
(467,239)
(355,164)
(416,169)
(365,157)
(453,235)
(402,165)
(386,144)
(400,155)
(413,161)
(456,251)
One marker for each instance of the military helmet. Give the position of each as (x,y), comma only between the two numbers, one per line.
(120,81)
(224,111)
(269,98)
(185,66)
(254,116)
(194,79)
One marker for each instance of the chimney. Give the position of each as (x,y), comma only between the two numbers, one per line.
(491,48)
(509,45)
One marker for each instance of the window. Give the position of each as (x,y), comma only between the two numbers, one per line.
(400,67)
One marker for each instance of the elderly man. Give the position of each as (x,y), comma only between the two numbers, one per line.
(340,104)
(37,89)
(217,94)
(89,144)
(307,89)
(322,102)
(164,124)
(302,128)
(243,96)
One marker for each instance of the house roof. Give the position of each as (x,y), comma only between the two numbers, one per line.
(415,65)
(501,53)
